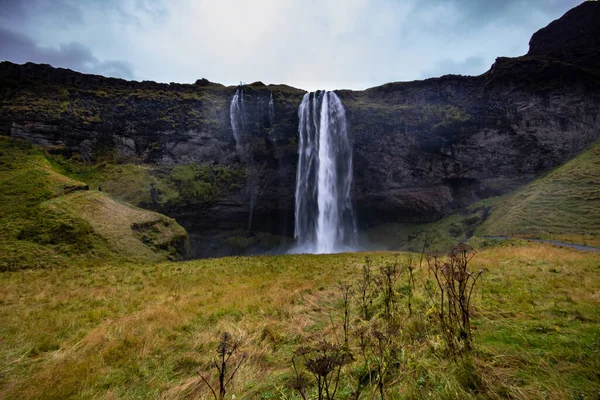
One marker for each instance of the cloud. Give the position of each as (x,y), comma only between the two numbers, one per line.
(469,66)
(20,48)
(472,14)
(17,12)
(311,44)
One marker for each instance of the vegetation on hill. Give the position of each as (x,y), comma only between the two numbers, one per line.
(49,219)
(441,235)
(562,205)
(128,330)
(156,187)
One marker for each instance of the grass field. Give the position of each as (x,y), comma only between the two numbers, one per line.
(130,330)
(91,309)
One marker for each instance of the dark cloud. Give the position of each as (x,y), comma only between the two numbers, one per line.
(20,48)
(475,13)
(469,66)
(60,11)
(68,12)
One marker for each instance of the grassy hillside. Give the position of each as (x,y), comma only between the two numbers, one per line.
(564,204)
(157,187)
(48,218)
(123,330)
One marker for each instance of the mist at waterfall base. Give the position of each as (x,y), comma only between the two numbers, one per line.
(324,216)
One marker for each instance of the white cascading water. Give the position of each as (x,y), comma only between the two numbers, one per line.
(238,126)
(271,109)
(236,116)
(271,115)
(324,219)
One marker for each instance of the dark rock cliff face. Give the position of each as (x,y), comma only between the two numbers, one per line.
(572,38)
(421,149)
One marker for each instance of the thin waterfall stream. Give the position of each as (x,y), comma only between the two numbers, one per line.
(237,116)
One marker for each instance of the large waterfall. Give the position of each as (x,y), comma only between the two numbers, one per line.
(325,221)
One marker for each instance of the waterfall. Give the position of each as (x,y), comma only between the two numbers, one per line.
(271,113)
(236,116)
(324,219)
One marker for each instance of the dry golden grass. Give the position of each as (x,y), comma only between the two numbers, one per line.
(144,330)
(113,220)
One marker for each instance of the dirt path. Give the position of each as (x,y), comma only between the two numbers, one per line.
(554,242)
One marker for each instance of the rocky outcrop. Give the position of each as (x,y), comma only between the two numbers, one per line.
(421,149)
(572,38)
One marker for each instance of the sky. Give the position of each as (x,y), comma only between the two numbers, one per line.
(309,44)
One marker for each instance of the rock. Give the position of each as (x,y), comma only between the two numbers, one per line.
(574,38)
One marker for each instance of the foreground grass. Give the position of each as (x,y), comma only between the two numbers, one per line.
(144,330)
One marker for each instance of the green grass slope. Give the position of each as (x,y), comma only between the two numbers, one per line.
(152,186)
(48,218)
(564,204)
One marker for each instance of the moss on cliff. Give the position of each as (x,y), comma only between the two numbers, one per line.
(439,236)
(138,184)
(155,187)
(204,185)
(44,94)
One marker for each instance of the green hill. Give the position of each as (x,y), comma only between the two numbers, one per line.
(48,218)
(564,204)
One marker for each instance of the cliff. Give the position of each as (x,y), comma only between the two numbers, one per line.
(421,149)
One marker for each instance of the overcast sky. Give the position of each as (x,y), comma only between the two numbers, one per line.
(310,44)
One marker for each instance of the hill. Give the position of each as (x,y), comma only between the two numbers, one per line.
(564,204)
(49,219)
